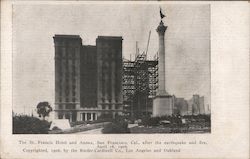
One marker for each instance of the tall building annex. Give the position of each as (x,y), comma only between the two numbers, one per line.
(88,79)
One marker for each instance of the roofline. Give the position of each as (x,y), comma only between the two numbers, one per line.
(67,36)
(110,37)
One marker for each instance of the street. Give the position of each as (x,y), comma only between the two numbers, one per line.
(93,131)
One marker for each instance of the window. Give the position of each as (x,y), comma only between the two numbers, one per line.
(82,116)
(67,91)
(67,79)
(116,107)
(88,116)
(70,106)
(60,116)
(60,107)
(73,75)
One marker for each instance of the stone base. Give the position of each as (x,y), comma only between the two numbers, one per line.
(163,105)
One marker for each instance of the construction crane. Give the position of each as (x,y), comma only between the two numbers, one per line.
(148,43)
(136,49)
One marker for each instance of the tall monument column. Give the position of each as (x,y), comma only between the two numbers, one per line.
(161,32)
(163,102)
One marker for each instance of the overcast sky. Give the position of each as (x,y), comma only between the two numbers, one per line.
(187,43)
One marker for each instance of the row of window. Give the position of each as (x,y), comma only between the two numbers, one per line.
(73,99)
(109,99)
(88,116)
(67,90)
(109,107)
(67,52)
(66,70)
(67,106)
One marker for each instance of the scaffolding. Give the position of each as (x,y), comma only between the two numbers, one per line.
(140,82)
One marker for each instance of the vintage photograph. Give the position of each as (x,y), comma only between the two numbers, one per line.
(111,68)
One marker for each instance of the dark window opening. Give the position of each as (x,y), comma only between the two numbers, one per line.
(70,106)
(60,107)
(83,116)
(88,116)
(60,116)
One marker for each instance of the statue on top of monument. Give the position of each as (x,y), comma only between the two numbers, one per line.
(161,14)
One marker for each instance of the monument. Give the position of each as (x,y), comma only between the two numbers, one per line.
(163,102)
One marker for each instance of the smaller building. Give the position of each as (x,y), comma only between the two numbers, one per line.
(196,105)
(180,106)
(193,106)
(201,105)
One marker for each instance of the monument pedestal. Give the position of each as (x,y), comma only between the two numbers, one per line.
(163,105)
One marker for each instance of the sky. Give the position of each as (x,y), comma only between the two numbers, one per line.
(187,43)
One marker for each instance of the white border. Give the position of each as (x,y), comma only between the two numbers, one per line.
(229,100)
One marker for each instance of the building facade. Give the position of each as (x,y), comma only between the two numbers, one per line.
(196,105)
(88,79)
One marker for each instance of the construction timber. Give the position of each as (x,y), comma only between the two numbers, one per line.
(140,83)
